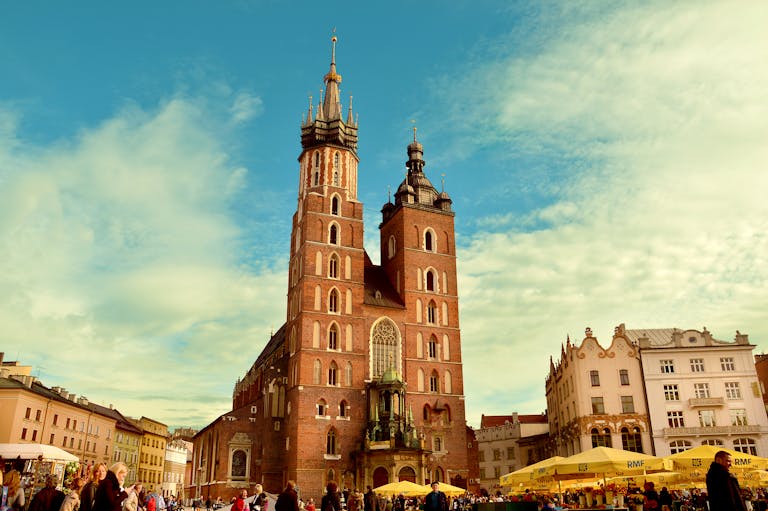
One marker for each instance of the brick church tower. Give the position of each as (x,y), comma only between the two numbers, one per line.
(363,383)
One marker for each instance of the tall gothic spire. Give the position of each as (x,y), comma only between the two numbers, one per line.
(329,126)
(331,102)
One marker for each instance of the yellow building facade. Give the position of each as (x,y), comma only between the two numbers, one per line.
(152,452)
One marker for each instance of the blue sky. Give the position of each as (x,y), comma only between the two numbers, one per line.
(607,163)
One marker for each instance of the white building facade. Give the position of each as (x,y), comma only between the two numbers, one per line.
(498,444)
(595,397)
(701,390)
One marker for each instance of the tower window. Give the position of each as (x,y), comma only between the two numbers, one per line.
(333,301)
(432,347)
(429,240)
(430,280)
(333,235)
(333,267)
(434,382)
(330,442)
(333,374)
(431,313)
(333,338)
(335,205)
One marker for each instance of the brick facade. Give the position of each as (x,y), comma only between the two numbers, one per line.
(363,383)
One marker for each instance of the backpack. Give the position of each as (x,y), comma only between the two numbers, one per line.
(151,504)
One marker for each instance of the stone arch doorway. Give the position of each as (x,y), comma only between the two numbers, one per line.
(380,477)
(407,474)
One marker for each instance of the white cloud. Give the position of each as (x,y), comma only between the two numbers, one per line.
(665,223)
(245,107)
(119,254)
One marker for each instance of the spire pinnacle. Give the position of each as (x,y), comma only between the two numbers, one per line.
(331,101)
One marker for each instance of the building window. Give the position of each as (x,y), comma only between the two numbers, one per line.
(727,364)
(28,413)
(480,455)
(624,376)
(510,453)
(333,374)
(675,419)
(321,408)
(333,301)
(37,415)
(631,440)
(333,337)
(51,439)
(732,390)
(434,382)
(239,463)
(496,454)
(55,419)
(432,347)
(601,438)
(335,205)
(667,366)
(701,390)
(627,404)
(64,442)
(697,365)
(429,242)
(34,435)
(707,418)
(712,441)
(431,313)
(671,392)
(679,446)
(343,409)
(597,406)
(330,442)
(333,266)
(430,280)
(437,443)
(333,235)
(23,433)
(745,445)
(738,417)
(317,371)
(594,377)
(384,341)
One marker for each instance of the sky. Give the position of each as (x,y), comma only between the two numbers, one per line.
(607,161)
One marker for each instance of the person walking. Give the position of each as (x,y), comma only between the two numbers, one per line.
(435,500)
(240,504)
(88,493)
(288,500)
(723,490)
(331,501)
(110,493)
(49,498)
(72,500)
(370,502)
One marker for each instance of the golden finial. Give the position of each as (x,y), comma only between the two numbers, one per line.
(413,121)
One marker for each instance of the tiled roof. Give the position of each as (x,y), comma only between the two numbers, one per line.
(491,421)
(378,288)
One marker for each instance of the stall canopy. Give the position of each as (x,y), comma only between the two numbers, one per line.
(405,487)
(699,458)
(448,489)
(606,461)
(33,451)
(530,473)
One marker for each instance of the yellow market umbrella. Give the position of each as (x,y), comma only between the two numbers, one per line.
(530,473)
(405,487)
(699,458)
(658,478)
(606,461)
(754,478)
(448,489)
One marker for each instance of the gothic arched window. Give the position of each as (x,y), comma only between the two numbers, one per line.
(385,341)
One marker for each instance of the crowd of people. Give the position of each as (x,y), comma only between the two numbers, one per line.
(100,489)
